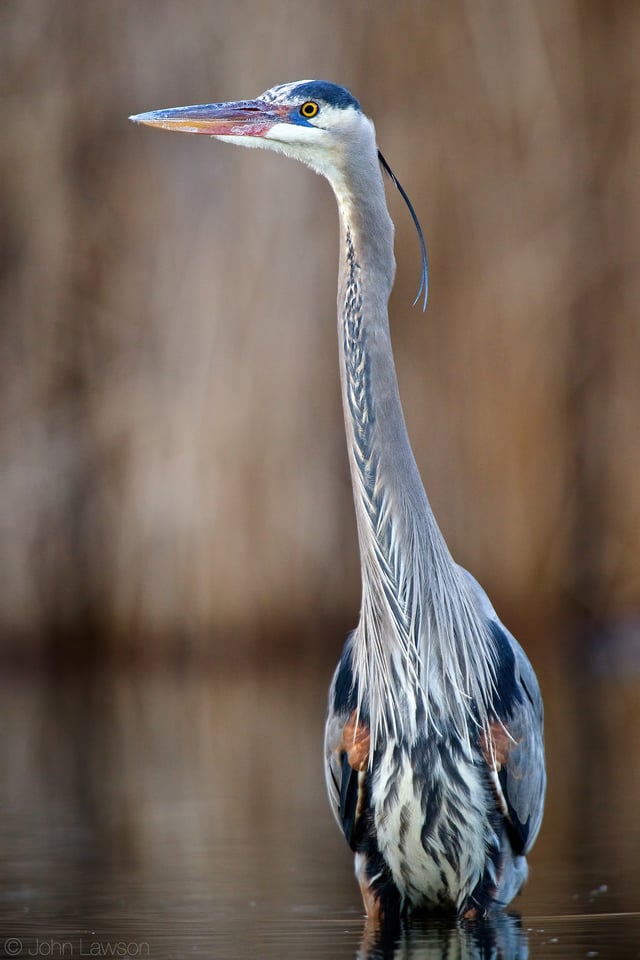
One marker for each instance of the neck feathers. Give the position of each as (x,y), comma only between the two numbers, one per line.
(421,646)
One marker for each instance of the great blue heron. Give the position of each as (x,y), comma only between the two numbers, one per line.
(434,746)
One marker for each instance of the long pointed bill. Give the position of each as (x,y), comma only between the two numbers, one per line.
(244,118)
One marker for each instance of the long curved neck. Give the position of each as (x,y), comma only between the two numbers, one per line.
(419,627)
(393,514)
(376,432)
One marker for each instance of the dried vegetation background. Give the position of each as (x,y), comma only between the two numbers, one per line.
(171,450)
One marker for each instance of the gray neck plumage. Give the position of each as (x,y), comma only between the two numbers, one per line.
(417,619)
(383,468)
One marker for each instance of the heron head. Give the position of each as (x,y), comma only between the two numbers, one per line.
(314,121)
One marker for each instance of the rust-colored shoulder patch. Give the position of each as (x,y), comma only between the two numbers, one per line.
(497,746)
(355,742)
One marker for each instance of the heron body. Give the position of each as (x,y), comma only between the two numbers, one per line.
(434,746)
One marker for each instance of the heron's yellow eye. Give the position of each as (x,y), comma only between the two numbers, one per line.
(309,109)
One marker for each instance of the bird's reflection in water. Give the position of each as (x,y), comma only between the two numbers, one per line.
(498,937)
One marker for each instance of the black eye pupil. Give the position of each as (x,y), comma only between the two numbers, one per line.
(309,109)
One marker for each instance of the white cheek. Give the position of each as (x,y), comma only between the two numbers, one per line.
(240,141)
(292,133)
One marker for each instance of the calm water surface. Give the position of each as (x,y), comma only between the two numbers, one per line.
(169,817)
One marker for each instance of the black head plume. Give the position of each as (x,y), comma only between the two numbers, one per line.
(424,279)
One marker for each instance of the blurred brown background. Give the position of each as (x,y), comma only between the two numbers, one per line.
(173,465)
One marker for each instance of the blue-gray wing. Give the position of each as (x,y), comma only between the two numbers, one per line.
(516,754)
(345,785)
(346,751)
(521,774)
